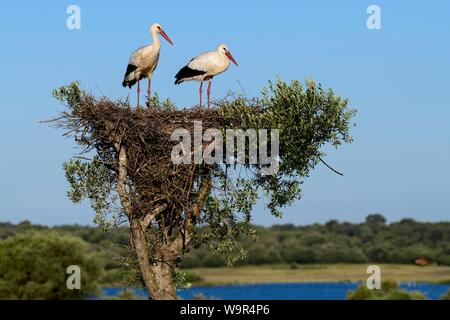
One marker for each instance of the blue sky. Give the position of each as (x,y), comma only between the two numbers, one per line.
(397,77)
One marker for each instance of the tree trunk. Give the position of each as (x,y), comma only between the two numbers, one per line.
(162,273)
(157,276)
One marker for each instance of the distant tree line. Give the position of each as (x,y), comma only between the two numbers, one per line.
(334,242)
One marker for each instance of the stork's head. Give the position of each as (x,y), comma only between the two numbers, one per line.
(157,28)
(223,49)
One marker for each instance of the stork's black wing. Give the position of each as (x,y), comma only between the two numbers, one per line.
(186,73)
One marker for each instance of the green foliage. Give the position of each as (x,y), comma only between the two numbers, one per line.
(192,277)
(88,179)
(92,180)
(70,94)
(389,291)
(223,227)
(446,296)
(282,244)
(158,104)
(375,219)
(125,295)
(33,266)
(336,242)
(201,296)
(184,280)
(308,117)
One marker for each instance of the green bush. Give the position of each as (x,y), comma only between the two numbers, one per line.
(444,260)
(124,295)
(446,296)
(389,291)
(192,277)
(33,266)
(191,261)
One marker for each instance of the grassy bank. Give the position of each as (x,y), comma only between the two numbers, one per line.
(316,273)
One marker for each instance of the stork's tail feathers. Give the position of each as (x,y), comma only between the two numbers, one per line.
(125,84)
(128,83)
(129,79)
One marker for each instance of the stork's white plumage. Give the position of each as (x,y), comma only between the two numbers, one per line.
(205,67)
(144,61)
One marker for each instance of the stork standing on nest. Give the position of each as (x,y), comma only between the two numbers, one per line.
(144,61)
(205,67)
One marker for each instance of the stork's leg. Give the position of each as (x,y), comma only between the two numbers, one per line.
(149,92)
(200,92)
(138,93)
(209,92)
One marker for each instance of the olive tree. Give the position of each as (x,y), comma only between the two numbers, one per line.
(126,168)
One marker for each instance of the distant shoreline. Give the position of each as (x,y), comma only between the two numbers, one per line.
(314,273)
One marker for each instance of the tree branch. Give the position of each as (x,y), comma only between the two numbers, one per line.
(121,183)
(203,193)
(187,234)
(149,218)
(205,188)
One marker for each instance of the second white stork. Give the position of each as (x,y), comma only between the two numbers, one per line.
(205,67)
(144,61)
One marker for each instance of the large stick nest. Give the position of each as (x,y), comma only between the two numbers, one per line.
(145,134)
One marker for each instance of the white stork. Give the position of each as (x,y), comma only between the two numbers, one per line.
(144,61)
(205,67)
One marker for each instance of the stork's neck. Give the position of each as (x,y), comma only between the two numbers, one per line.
(156,40)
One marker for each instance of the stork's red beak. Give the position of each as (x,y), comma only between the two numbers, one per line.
(231,57)
(165,36)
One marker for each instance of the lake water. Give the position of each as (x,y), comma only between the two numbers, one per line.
(288,291)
